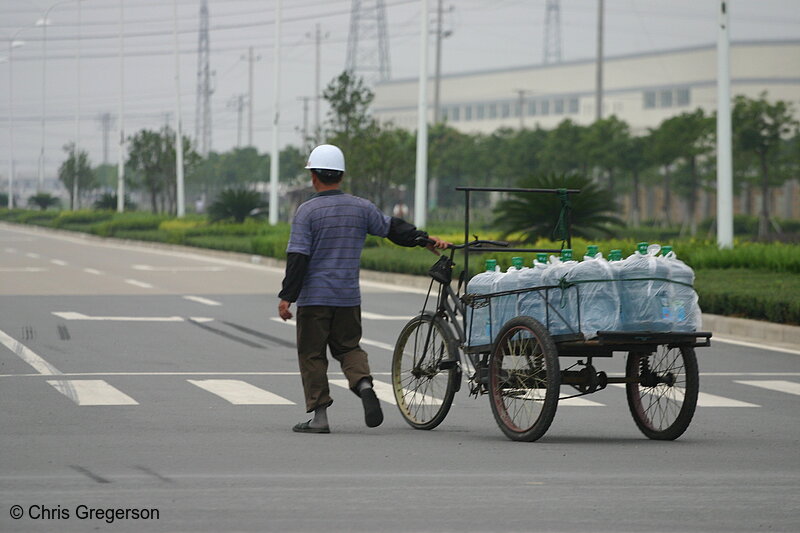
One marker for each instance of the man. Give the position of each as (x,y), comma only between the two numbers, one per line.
(322,273)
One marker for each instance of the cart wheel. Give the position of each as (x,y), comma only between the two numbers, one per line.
(524,379)
(664,398)
(423,386)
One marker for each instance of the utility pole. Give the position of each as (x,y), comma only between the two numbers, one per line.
(274,160)
(552,32)
(599,87)
(368,24)
(204,90)
(521,103)
(305,100)
(724,149)
(237,103)
(251,59)
(181,208)
(318,36)
(440,34)
(121,152)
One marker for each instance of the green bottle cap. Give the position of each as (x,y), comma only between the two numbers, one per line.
(642,248)
(616,255)
(592,250)
(517,262)
(491,264)
(566,254)
(542,258)
(666,249)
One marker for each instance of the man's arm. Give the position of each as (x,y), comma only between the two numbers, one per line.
(403,233)
(296,268)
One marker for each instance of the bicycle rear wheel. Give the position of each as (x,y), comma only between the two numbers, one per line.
(524,379)
(423,386)
(664,397)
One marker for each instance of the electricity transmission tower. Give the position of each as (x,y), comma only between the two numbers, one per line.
(552,32)
(368,41)
(106,123)
(202,120)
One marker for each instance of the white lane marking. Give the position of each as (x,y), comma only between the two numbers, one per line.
(376,316)
(33,255)
(760,346)
(382,390)
(240,392)
(91,392)
(58,262)
(705,399)
(92,271)
(789,387)
(149,268)
(28,355)
(368,342)
(23,269)
(137,283)
(72,315)
(89,374)
(11,250)
(201,300)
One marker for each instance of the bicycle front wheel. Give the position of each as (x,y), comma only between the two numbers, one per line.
(425,371)
(524,379)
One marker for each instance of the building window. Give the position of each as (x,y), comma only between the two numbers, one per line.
(505,110)
(682,97)
(468,112)
(573,105)
(649,99)
(545,107)
(558,106)
(479,112)
(532,108)
(517,109)
(665,98)
(455,113)
(492,111)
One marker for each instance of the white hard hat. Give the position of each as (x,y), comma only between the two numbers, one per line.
(327,157)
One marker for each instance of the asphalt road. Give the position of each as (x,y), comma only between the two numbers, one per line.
(137,378)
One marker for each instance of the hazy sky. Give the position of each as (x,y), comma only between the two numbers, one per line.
(485,34)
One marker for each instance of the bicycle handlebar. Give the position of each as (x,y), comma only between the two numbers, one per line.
(472,244)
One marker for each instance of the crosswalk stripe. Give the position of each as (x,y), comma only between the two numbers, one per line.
(91,392)
(367,342)
(788,387)
(383,390)
(240,392)
(704,399)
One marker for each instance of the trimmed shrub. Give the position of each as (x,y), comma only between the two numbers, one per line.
(128,222)
(749,294)
(67,218)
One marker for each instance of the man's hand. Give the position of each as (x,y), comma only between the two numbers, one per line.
(437,243)
(283,310)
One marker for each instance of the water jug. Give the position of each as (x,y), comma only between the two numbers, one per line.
(507,306)
(597,293)
(685,311)
(561,307)
(479,324)
(531,303)
(645,300)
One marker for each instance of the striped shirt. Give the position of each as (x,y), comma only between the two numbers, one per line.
(331,228)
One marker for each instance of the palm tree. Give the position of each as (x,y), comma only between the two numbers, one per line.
(535,215)
(235,203)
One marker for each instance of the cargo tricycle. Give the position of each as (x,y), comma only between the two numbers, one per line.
(519,368)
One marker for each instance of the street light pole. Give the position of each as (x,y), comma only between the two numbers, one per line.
(11,46)
(421,179)
(178,133)
(274,167)
(121,118)
(76,149)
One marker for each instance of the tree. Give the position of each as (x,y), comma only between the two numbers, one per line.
(665,150)
(292,165)
(108,202)
(235,203)
(562,152)
(633,158)
(43,200)
(603,143)
(152,155)
(535,215)
(77,164)
(759,128)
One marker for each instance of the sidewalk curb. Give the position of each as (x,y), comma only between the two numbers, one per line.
(744,329)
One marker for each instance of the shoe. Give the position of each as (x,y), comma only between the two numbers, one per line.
(305,427)
(373,415)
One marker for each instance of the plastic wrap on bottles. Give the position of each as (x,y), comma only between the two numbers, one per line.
(644,293)
(684,305)
(479,318)
(598,294)
(531,303)
(561,309)
(507,306)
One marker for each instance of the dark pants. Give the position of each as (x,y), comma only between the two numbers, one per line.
(338,328)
